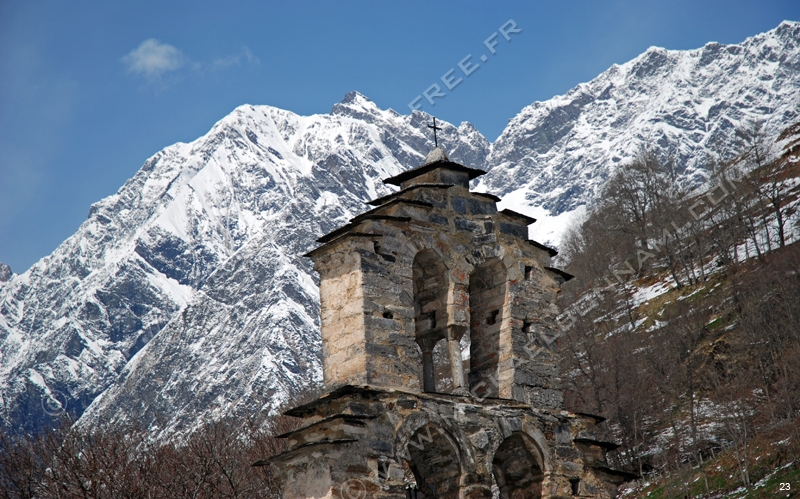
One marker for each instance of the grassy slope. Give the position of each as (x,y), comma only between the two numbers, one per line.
(773,460)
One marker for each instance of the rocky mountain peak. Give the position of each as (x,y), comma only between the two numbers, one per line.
(183,296)
(357,105)
(5,272)
(554,157)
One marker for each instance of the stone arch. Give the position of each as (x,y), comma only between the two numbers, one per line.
(487,295)
(410,428)
(438,452)
(538,439)
(430,285)
(435,462)
(518,467)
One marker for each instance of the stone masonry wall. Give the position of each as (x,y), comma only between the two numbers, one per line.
(342,317)
(465,232)
(360,443)
(435,267)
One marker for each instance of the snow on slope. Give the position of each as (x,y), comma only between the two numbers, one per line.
(212,229)
(552,159)
(183,296)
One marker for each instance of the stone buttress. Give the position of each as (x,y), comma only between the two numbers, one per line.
(439,360)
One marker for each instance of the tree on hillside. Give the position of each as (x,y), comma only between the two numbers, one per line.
(728,344)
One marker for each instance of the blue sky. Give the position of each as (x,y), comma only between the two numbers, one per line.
(89,90)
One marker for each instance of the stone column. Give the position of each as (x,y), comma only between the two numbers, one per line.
(454,334)
(428,379)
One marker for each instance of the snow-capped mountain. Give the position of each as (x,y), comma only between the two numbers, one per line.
(200,253)
(184,297)
(553,158)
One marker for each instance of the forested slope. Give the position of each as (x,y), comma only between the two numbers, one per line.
(683,327)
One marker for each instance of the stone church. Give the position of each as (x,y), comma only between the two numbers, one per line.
(439,357)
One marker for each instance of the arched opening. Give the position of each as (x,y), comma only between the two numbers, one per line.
(517,468)
(435,463)
(430,310)
(487,293)
(410,482)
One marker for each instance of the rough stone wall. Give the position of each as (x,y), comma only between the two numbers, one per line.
(464,233)
(341,313)
(358,441)
(431,268)
(535,333)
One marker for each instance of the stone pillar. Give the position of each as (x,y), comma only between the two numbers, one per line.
(428,379)
(456,361)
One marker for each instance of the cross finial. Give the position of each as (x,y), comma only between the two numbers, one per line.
(435,140)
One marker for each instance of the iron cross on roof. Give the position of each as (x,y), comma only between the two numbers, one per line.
(435,140)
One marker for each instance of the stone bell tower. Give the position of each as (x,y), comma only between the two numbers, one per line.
(439,357)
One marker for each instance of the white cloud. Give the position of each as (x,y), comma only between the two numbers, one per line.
(153,58)
(244,55)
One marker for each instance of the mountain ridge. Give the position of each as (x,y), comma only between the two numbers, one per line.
(195,259)
(554,156)
(194,212)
